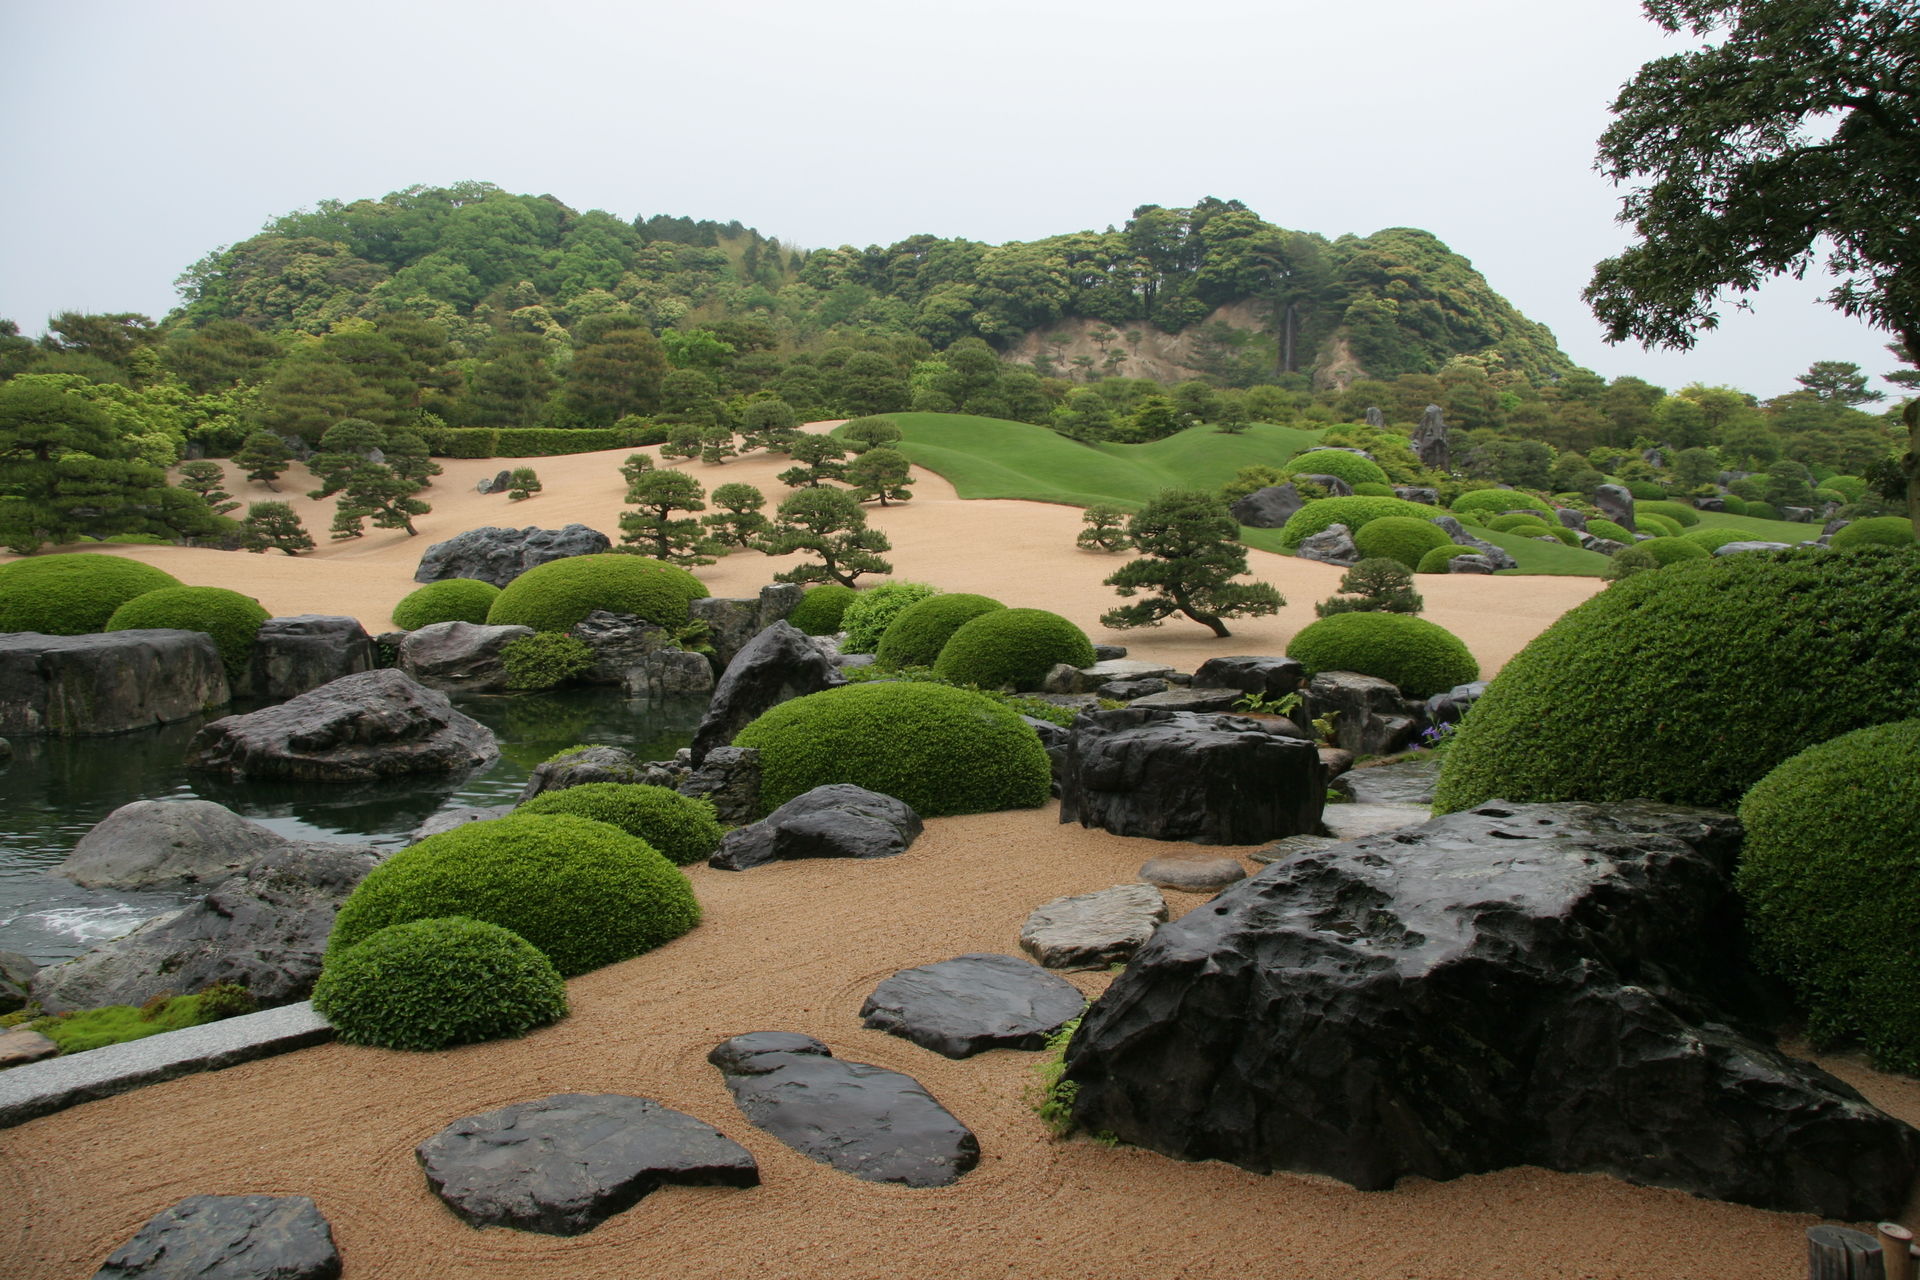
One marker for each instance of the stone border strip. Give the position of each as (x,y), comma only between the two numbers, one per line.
(41,1088)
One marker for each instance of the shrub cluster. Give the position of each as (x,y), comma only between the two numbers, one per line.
(554,596)
(683,828)
(1351,467)
(1440,559)
(1402,538)
(820,610)
(72,594)
(230,619)
(872,611)
(450,600)
(1878,531)
(1715,536)
(1418,657)
(1654,523)
(1015,648)
(1324,513)
(538,442)
(1608,529)
(545,660)
(1678,512)
(918,632)
(1486,502)
(1670,550)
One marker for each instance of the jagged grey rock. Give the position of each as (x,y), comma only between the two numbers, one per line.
(1093,930)
(1129,690)
(730,778)
(1198,701)
(1498,557)
(1336,486)
(1417,493)
(1263,676)
(672,673)
(576,768)
(1710,504)
(1571,519)
(499,482)
(838,820)
(621,644)
(167,844)
(293,655)
(1332,545)
(1375,418)
(108,682)
(1735,548)
(1269,507)
(1616,504)
(1370,716)
(779,664)
(731,623)
(460,656)
(1797,515)
(1470,564)
(973,1003)
(229,1238)
(1064,678)
(497,555)
(1280,850)
(1452,706)
(1192,875)
(1430,439)
(16,976)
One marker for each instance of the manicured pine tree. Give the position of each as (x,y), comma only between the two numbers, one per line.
(265,457)
(273,526)
(829,524)
(881,473)
(819,458)
(522,484)
(205,477)
(659,495)
(738,521)
(1192,554)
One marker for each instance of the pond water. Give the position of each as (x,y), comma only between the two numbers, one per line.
(55,790)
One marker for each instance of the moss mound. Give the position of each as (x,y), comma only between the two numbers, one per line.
(1417,656)
(431,984)
(554,596)
(1526,525)
(452,600)
(871,612)
(1608,529)
(1486,502)
(918,632)
(1351,467)
(1668,685)
(1012,647)
(1658,525)
(1878,531)
(586,894)
(1715,536)
(1324,513)
(1401,538)
(940,749)
(820,610)
(1666,551)
(683,828)
(72,594)
(1440,559)
(1678,512)
(229,618)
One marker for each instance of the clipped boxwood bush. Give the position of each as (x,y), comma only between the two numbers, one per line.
(1014,647)
(450,600)
(585,893)
(1762,511)
(72,594)
(820,610)
(1657,525)
(1667,686)
(1877,531)
(1324,513)
(1525,525)
(1714,536)
(229,618)
(1851,488)
(1561,533)
(1735,505)
(1440,559)
(1678,512)
(1666,551)
(918,632)
(1493,501)
(1351,467)
(1608,529)
(1401,538)
(683,828)
(1422,659)
(872,611)
(1628,561)
(1368,489)
(555,595)
(1830,873)
(432,984)
(940,749)
(1645,491)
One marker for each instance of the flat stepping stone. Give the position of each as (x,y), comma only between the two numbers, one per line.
(1280,850)
(1192,875)
(973,1003)
(229,1238)
(563,1165)
(1093,930)
(1409,782)
(878,1125)
(1351,821)
(1200,700)
(19,1046)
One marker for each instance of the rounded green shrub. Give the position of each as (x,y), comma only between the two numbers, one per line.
(1666,551)
(1417,656)
(1735,505)
(1667,685)
(1763,511)
(1850,488)
(229,618)
(555,595)
(1657,525)
(1014,647)
(1561,533)
(1368,489)
(1401,538)
(1324,513)
(1525,525)
(1351,467)
(1830,873)
(585,893)
(1486,502)
(72,594)
(432,984)
(1879,531)
(1679,512)
(1439,559)
(918,632)
(450,600)
(1713,536)
(940,749)
(683,828)
(1645,491)
(1608,529)
(1628,561)
(820,610)
(872,611)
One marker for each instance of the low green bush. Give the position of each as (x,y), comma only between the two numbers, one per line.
(1439,559)
(1485,502)
(450,600)
(872,611)
(1645,491)
(1415,655)
(1561,533)
(230,619)
(555,595)
(1608,529)
(941,750)
(1762,511)
(918,632)
(1830,873)
(1880,531)
(72,594)
(1525,525)
(1351,467)
(1680,513)
(432,984)
(683,828)
(1735,506)
(585,893)
(1628,561)
(1368,489)
(1657,525)
(545,660)
(1713,536)
(1324,513)
(1012,648)
(1667,551)
(820,610)
(1401,538)
(1850,488)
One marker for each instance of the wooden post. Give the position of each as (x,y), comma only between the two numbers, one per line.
(1896,1251)
(1841,1253)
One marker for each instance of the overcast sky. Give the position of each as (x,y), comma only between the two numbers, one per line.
(142,135)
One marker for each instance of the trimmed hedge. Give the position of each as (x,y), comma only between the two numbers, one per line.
(555,595)
(1654,523)
(1712,536)
(1666,685)
(432,984)
(1668,551)
(1351,467)
(1401,538)
(1762,511)
(1440,559)
(1830,873)
(1525,525)
(537,442)
(1368,489)
(1608,529)
(942,750)
(1852,488)
(451,600)
(1628,561)
(585,893)
(1324,513)
(683,828)
(1877,531)
(230,619)
(73,594)
(1678,512)
(820,610)
(1735,505)
(1417,656)
(918,632)
(1494,501)
(1014,647)
(872,611)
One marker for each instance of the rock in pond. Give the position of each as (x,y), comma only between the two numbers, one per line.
(838,820)
(112,682)
(293,655)
(460,656)
(973,1003)
(229,1238)
(1093,930)
(167,844)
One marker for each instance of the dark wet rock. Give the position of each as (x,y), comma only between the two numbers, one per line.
(878,1125)
(577,768)
(6,751)
(1571,519)
(1335,760)
(1108,652)
(973,1003)
(621,645)
(779,664)
(1417,493)
(460,656)
(1192,875)
(1616,504)
(1406,782)
(497,555)
(292,655)
(1371,716)
(167,844)
(1280,850)
(1710,504)
(671,674)
(1268,508)
(499,482)
(1518,984)
(1496,557)
(1452,706)
(16,976)
(1064,678)
(229,1238)
(1093,930)
(1197,701)
(1430,439)
(458,816)
(360,728)
(835,821)
(730,778)
(108,682)
(564,1164)
(1128,690)
(731,622)
(1332,545)
(1263,676)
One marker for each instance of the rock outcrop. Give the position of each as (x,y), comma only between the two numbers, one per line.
(497,555)
(779,664)
(292,655)
(839,820)
(167,844)
(109,682)
(460,656)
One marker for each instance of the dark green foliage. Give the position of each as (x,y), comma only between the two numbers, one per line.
(1830,873)
(862,434)
(1369,489)
(435,983)
(545,660)
(1666,551)
(1666,685)
(941,750)
(1377,586)
(1678,512)
(1438,559)
(658,495)
(586,894)
(1628,561)
(452,600)
(230,619)
(881,472)
(683,828)
(738,521)
(918,632)
(869,614)
(828,524)
(522,483)
(820,457)
(1716,536)
(1608,529)
(1421,659)
(1190,556)
(1761,511)
(1401,538)
(1658,525)
(204,477)
(1525,525)
(554,596)
(1880,531)
(274,526)
(1350,467)
(1324,513)
(1012,647)
(1106,528)
(820,610)
(541,442)
(74,593)
(1492,501)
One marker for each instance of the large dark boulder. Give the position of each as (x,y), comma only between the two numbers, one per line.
(460,656)
(16,979)
(1370,716)
(497,555)
(293,655)
(229,1238)
(360,728)
(779,664)
(1553,984)
(838,820)
(732,622)
(1268,508)
(1264,677)
(1173,775)
(167,844)
(1332,545)
(973,1003)
(1430,439)
(1615,504)
(109,682)
(580,766)
(1497,557)
(730,778)
(621,645)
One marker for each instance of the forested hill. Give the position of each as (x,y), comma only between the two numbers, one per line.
(1250,299)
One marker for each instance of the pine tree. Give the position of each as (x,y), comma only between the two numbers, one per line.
(819,458)
(522,484)
(265,457)
(881,473)
(831,525)
(205,478)
(738,522)
(658,495)
(275,526)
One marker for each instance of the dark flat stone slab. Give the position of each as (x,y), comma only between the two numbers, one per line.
(229,1238)
(973,1003)
(1409,782)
